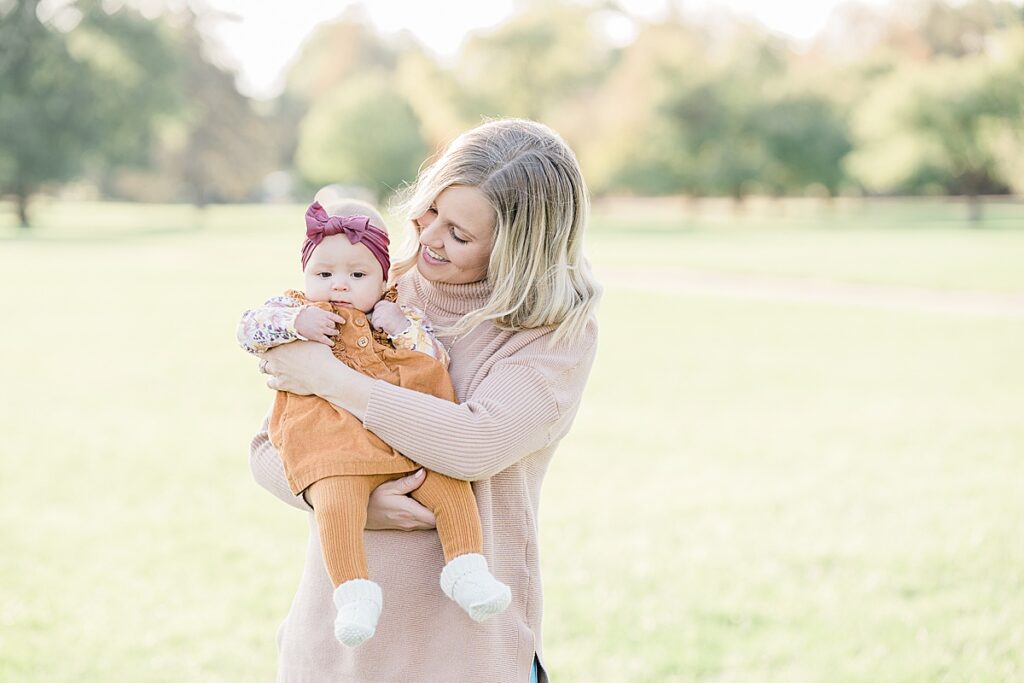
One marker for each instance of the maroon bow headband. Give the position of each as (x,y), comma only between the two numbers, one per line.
(357,228)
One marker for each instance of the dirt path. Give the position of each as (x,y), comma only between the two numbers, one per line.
(778,288)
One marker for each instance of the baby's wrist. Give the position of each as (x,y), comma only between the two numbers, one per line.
(398,329)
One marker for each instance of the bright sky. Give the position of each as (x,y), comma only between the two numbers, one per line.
(264,37)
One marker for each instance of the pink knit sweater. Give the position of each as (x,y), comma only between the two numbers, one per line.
(518,396)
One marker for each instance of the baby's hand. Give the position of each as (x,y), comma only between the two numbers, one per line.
(316,324)
(388,316)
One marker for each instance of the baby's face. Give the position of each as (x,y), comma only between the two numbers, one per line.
(344,273)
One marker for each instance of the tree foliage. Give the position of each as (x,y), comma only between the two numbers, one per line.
(915,97)
(80,91)
(534,62)
(363,133)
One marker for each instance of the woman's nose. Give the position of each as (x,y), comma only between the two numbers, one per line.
(427,232)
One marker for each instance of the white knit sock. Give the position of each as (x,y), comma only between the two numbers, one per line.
(358,602)
(467,581)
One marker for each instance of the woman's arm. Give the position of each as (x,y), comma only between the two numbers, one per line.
(510,414)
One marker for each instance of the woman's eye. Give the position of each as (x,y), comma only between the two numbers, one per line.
(456,237)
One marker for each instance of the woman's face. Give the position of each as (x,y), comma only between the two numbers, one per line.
(456,236)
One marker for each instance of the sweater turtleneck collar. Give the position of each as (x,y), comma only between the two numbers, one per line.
(455,300)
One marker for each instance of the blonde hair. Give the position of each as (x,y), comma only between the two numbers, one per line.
(537,271)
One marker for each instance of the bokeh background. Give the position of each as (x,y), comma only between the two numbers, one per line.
(801,453)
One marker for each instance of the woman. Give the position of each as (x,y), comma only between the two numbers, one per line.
(497,264)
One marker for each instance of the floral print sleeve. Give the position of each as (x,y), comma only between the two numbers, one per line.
(261,329)
(419,336)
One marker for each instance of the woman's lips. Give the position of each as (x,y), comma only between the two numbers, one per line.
(429,258)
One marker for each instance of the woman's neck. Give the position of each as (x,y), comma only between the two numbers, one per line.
(452,299)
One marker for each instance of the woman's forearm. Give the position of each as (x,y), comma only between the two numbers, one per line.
(346,388)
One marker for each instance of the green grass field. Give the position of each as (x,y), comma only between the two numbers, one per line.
(753,491)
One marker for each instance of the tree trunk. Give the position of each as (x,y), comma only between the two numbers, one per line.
(974,210)
(23,209)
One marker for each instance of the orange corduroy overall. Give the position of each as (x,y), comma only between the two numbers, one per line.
(328,451)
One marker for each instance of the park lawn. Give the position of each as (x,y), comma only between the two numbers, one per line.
(906,244)
(790,492)
(910,243)
(752,492)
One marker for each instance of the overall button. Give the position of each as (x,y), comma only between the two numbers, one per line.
(363,341)
(360,322)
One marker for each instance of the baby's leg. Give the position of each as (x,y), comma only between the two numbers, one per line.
(339,504)
(454,506)
(465,578)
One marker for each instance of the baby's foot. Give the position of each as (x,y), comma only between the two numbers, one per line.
(358,602)
(467,581)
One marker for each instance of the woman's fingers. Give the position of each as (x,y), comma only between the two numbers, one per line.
(417,516)
(391,508)
(408,514)
(406,484)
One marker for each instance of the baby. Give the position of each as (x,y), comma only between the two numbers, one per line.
(327,453)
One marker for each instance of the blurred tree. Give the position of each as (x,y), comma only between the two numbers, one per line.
(435,96)
(134,66)
(227,147)
(964,28)
(626,141)
(717,116)
(83,88)
(349,60)
(805,139)
(533,63)
(935,124)
(363,133)
(217,147)
(336,52)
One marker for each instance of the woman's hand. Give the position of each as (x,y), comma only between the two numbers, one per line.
(299,367)
(391,508)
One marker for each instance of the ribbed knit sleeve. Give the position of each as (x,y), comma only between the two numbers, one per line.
(508,416)
(268,470)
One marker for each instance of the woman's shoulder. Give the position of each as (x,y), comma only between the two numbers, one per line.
(557,341)
(550,354)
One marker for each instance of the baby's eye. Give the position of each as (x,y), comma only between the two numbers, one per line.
(324,275)
(358,274)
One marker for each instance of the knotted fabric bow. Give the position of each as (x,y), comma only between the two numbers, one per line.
(357,228)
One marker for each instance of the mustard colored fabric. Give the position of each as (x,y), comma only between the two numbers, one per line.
(317,439)
(339,504)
